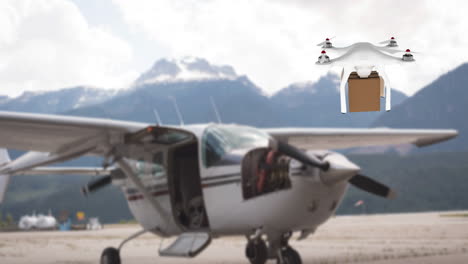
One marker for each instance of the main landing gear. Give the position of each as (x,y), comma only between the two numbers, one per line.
(111,255)
(258,252)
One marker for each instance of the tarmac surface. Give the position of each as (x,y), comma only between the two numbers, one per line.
(383,239)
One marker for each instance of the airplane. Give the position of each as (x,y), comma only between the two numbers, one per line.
(40,221)
(363,58)
(204,181)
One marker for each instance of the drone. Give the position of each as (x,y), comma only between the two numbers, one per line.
(361,62)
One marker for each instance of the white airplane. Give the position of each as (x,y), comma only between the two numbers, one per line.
(363,58)
(206,181)
(28,222)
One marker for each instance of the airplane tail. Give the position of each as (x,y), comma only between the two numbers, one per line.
(4,178)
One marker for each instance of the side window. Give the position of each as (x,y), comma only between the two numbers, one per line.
(150,168)
(140,168)
(157,168)
(212,149)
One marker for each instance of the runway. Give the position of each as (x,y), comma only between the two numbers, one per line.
(383,239)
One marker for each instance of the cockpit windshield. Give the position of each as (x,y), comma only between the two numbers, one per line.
(221,141)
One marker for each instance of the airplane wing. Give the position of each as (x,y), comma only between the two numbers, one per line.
(51,138)
(339,138)
(84,171)
(51,133)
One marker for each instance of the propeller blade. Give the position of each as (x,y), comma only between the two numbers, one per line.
(297,154)
(323,42)
(393,51)
(96,185)
(390,50)
(369,185)
(384,42)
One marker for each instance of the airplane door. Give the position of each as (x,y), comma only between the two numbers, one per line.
(165,160)
(185,187)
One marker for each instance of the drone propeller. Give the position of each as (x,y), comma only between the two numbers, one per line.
(394,51)
(387,41)
(323,42)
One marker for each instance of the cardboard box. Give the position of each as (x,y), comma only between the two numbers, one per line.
(364,93)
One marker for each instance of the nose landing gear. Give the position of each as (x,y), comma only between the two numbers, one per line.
(285,253)
(258,252)
(288,256)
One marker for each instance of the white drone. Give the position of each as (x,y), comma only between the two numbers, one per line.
(363,58)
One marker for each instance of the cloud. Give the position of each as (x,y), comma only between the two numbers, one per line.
(273,42)
(47,44)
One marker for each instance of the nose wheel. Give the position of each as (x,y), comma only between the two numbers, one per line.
(289,256)
(256,251)
(285,254)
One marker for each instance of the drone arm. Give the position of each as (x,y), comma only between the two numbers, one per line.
(388,104)
(344,79)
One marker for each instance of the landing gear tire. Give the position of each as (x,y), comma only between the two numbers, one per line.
(290,256)
(110,256)
(256,251)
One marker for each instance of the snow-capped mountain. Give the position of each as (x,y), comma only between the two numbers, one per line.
(185,69)
(56,101)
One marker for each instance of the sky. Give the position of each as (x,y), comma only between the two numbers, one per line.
(52,44)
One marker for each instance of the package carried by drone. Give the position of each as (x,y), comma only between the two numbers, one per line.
(364,93)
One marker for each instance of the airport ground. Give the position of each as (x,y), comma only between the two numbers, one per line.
(397,238)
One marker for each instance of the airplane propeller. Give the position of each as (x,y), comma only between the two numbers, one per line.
(96,185)
(337,168)
(297,154)
(369,185)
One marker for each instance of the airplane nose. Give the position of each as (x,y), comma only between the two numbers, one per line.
(341,169)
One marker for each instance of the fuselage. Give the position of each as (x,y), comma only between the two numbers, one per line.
(201,185)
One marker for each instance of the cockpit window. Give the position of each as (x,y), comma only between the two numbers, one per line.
(171,137)
(220,141)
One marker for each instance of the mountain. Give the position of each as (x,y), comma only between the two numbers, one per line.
(318,104)
(193,81)
(441,104)
(185,69)
(56,101)
(238,100)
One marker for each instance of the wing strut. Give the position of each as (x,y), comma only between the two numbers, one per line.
(126,168)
